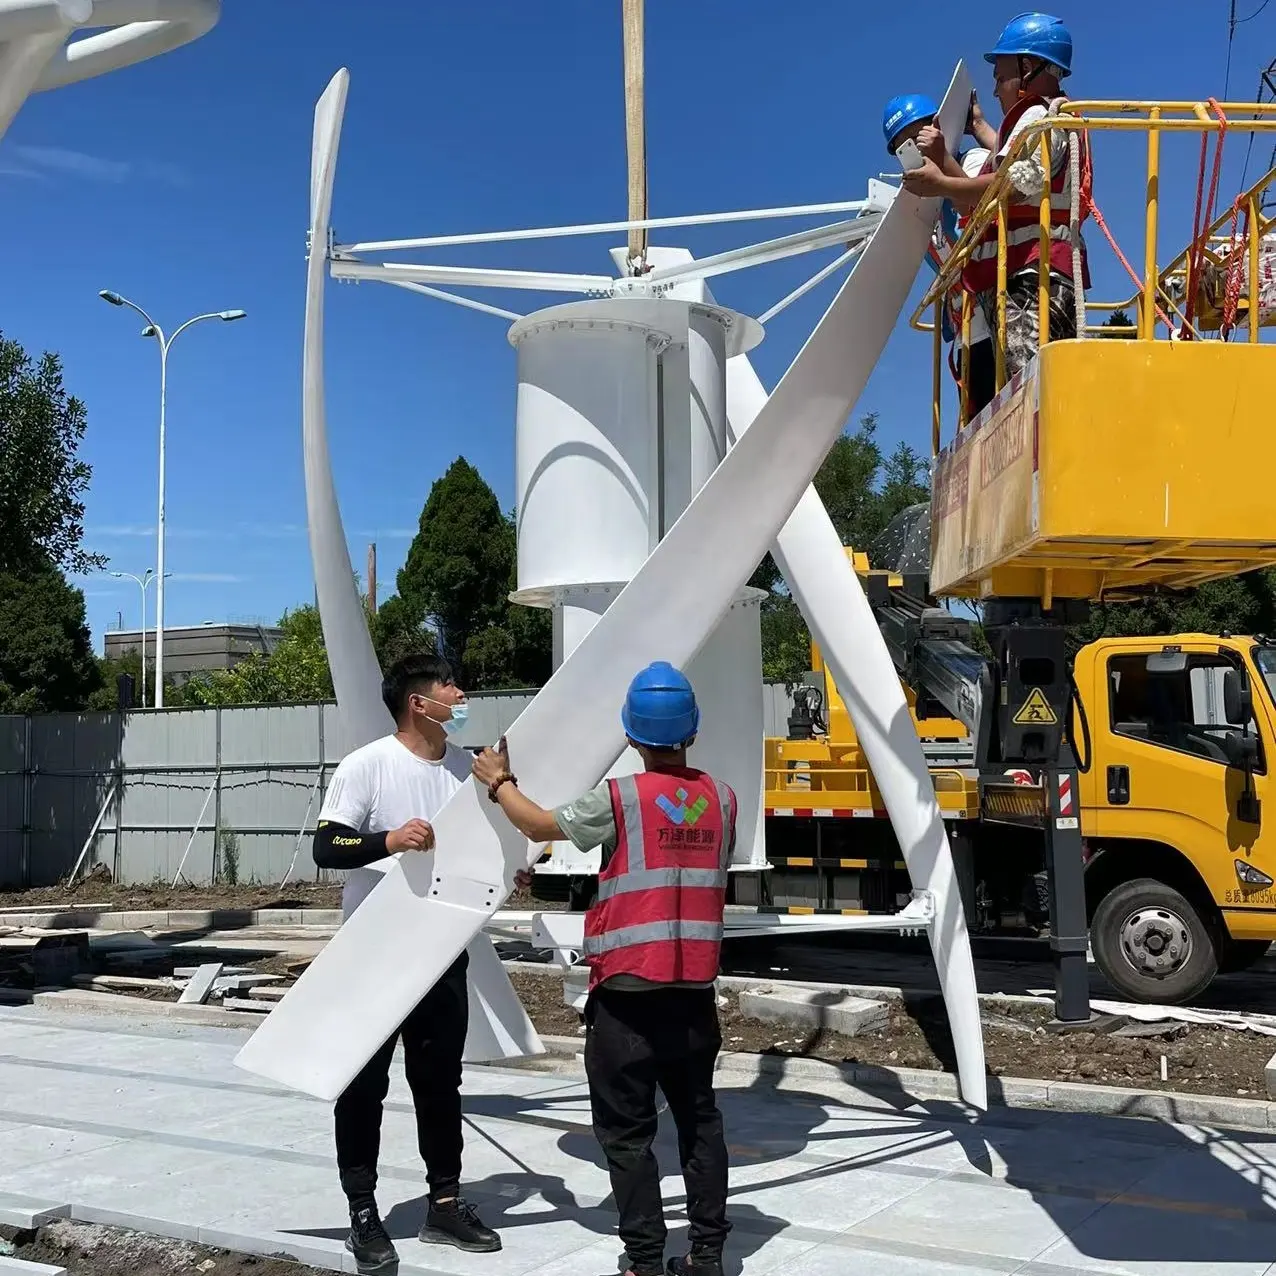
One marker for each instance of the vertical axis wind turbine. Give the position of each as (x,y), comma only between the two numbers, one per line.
(631,391)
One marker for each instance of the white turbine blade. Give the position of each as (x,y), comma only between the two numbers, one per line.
(422,914)
(141,29)
(809,553)
(499,1026)
(31,33)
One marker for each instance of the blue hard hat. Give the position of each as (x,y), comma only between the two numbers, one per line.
(1035,35)
(660,709)
(904,110)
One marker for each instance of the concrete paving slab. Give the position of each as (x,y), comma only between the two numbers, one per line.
(28,1212)
(808,1009)
(201,984)
(19,1267)
(149,1125)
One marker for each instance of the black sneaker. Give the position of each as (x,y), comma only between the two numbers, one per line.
(457,1223)
(697,1263)
(369,1242)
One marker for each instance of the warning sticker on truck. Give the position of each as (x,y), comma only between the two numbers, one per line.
(1036,711)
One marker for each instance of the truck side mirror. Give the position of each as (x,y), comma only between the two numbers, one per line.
(1238,699)
(1241,750)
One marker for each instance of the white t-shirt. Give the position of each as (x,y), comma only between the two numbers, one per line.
(381,787)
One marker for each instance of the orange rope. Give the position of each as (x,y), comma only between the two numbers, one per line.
(1121,257)
(1201,227)
(1235,270)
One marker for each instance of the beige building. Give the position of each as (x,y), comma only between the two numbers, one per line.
(190,649)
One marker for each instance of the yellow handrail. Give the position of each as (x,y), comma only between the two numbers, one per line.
(1153,299)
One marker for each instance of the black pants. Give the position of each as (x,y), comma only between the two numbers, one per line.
(635,1042)
(433,1041)
(981,383)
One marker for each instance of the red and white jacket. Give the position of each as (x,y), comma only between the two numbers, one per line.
(662,894)
(1023,219)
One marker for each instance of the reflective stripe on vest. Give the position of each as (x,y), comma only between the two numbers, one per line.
(1023,218)
(622,920)
(652,933)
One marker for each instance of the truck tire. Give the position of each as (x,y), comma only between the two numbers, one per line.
(1152,944)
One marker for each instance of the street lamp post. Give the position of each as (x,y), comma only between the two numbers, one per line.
(153,329)
(142,582)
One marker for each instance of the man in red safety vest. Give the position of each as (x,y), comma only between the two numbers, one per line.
(652,942)
(1032,56)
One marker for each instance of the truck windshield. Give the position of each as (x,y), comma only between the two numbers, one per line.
(1265,658)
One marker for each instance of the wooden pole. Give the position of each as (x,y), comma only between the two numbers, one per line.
(635,129)
(372,579)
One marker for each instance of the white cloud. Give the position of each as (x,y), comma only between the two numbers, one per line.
(389,534)
(35,161)
(209,578)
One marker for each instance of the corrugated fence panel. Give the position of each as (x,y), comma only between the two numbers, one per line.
(170,772)
(74,758)
(270,786)
(13,786)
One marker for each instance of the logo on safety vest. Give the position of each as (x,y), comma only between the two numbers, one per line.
(1036,711)
(682,813)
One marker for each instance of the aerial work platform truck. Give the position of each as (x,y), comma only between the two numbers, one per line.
(1119,790)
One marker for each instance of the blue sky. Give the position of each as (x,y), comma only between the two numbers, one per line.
(182,183)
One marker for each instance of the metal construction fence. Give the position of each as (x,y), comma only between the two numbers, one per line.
(208,794)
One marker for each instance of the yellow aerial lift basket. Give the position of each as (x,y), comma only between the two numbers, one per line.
(1109,466)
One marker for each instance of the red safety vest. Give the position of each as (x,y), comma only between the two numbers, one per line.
(662,893)
(1023,220)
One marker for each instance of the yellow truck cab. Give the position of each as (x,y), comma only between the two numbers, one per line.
(1180,861)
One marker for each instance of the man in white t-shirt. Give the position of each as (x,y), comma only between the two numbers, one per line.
(379,804)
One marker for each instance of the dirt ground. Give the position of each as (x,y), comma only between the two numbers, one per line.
(1199,1060)
(85,1249)
(95,890)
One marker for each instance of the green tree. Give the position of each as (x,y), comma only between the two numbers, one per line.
(42,479)
(46,656)
(397,632)
(1120,319)
(862,491)
(457,579)
(458,567)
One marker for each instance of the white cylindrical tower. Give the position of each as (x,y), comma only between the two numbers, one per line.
(621,418)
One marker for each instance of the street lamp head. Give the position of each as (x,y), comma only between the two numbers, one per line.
(113,297)
(118,575)
(229,316)
(149,331)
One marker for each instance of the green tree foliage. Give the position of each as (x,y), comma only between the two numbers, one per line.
(862,491)
(1241,605)
(1120,319)
(46,656)
(457,579)
(42,479)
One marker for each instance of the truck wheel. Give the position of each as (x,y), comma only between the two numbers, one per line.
(1152,944)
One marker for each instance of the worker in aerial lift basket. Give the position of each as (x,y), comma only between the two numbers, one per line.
(911,118)
(1032,56)
(652,942)
(379,802)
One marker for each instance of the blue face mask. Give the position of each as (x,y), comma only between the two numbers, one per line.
(460,712)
